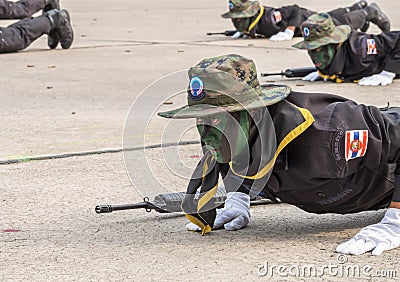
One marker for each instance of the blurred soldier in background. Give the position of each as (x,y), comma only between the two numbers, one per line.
(341,54)
(53,22)
(252,19)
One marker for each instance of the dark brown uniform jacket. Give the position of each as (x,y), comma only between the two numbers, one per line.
(364,55)
(318,178)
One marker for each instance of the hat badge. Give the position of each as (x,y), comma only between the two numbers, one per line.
(196,87)
(231,6)
(306,32)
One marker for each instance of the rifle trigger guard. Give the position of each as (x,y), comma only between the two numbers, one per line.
(147,200)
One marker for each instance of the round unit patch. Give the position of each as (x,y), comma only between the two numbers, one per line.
(196,87)
(306,32)
(231,6)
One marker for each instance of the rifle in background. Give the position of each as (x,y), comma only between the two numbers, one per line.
(226,33)
(295,72)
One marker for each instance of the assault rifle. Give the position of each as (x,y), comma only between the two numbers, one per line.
(226,33)
(295,72)
(168,203)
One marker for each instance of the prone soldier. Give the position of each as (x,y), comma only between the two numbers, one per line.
(322,153)
(254,20)
(341,54)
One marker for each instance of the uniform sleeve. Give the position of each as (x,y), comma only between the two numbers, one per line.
(396,194)
(385,45)
(288,14)
(198,204)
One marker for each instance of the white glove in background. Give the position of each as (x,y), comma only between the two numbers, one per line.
(313,76)
(236,35)
(378,237)
(236,212)
(383,78)
(281,36)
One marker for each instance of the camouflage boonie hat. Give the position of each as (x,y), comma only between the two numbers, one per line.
(241,9)
(226,83)
(319,30)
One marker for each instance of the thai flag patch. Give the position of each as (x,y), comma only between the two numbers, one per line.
(356,143)
(277,16)
(371,47)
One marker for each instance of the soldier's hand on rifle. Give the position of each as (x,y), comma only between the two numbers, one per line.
(281,36)
(236,212)
(237,34)
(234,216)
(379,237)
(314,76)
(383,78)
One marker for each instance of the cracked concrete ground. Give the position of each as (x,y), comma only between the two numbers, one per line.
(57,102)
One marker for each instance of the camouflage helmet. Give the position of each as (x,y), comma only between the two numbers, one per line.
(226,83)
(241,9)
(319,30)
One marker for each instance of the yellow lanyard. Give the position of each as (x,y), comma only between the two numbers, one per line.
(253,24)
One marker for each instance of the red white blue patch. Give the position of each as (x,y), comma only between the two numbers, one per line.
(371,47)
(196,88)
(356,143)
(277,16)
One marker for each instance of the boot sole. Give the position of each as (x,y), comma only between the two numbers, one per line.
(72,32)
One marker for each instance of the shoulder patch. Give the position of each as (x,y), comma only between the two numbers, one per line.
(371,47)
(277,16)
(356,143)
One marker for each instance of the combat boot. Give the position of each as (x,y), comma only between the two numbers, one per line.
(52,37)
(376,16)
(51,5)
(61,28)
(358,6)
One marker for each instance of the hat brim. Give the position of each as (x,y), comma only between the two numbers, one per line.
(340,34)
(249,12)
(270,94)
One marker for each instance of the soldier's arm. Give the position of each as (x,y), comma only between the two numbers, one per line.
(291,15)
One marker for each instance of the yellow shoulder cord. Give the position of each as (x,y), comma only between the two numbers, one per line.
(309,119)
(332,77)
(253,24)
(203,201)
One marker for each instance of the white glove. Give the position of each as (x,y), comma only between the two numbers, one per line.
(383,78)
(236,212)
(314,76)
(236,35)
(378,237)
(192,227)
(281,36)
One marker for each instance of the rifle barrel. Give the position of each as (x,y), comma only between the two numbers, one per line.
(273,73)
(111,208)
